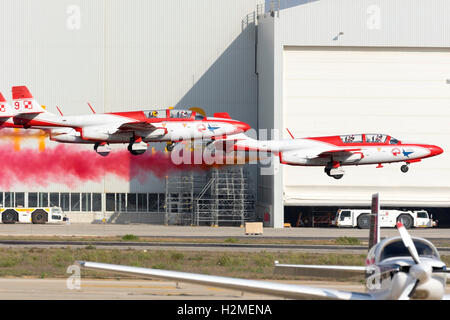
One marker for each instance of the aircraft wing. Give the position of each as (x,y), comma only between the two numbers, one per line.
(338,152)
(289,291)
(145,126)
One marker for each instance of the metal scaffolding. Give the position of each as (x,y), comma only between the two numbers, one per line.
(225,199)
(221,196)
(179,199)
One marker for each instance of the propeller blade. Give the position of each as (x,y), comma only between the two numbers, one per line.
(408,242)
(409,289)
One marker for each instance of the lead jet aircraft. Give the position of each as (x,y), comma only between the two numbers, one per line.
(397,268)
(333,152)
(135,127)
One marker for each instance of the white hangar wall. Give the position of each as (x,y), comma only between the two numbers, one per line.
(358,66)
(124,56)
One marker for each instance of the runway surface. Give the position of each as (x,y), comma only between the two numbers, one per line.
(145,230)
(56,289)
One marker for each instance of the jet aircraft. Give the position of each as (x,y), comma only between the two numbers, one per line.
(134,127)
(334,152)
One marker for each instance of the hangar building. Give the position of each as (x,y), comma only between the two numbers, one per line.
(345,67)
(316,67)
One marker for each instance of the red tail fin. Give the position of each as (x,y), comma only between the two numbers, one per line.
(21,92)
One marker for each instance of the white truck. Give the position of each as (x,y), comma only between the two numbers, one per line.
(32,215)
(387,218)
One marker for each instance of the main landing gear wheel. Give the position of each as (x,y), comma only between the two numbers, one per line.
(102,149)
(135,152)
(336,173)
(404,168)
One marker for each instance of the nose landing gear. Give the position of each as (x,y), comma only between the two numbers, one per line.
(404,168)
(170,146)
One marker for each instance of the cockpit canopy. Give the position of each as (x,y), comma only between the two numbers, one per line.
(396,248)
(172,114)
(369,138)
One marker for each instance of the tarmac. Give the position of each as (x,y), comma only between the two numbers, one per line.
(93,289)
(147,230)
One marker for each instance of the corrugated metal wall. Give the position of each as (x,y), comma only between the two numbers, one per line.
(127,55)
(353,23)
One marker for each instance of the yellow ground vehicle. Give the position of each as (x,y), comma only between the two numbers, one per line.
(32,215)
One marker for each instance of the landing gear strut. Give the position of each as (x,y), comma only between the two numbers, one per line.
(404,168)
(334,169)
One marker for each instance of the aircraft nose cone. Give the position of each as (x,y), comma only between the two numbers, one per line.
(435,150)
(421,271)
(242,126)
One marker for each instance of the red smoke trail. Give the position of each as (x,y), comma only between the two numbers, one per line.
(21,133)
(71,165)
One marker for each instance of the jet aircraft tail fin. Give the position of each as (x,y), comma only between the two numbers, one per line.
(5,109)
(24,102)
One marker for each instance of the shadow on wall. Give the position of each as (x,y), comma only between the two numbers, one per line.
(132,217)
(229,85)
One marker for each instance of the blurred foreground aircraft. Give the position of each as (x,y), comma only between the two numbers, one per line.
(397,268)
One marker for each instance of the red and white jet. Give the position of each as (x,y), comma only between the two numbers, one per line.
(6,113)
(135,127)
(333,152)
